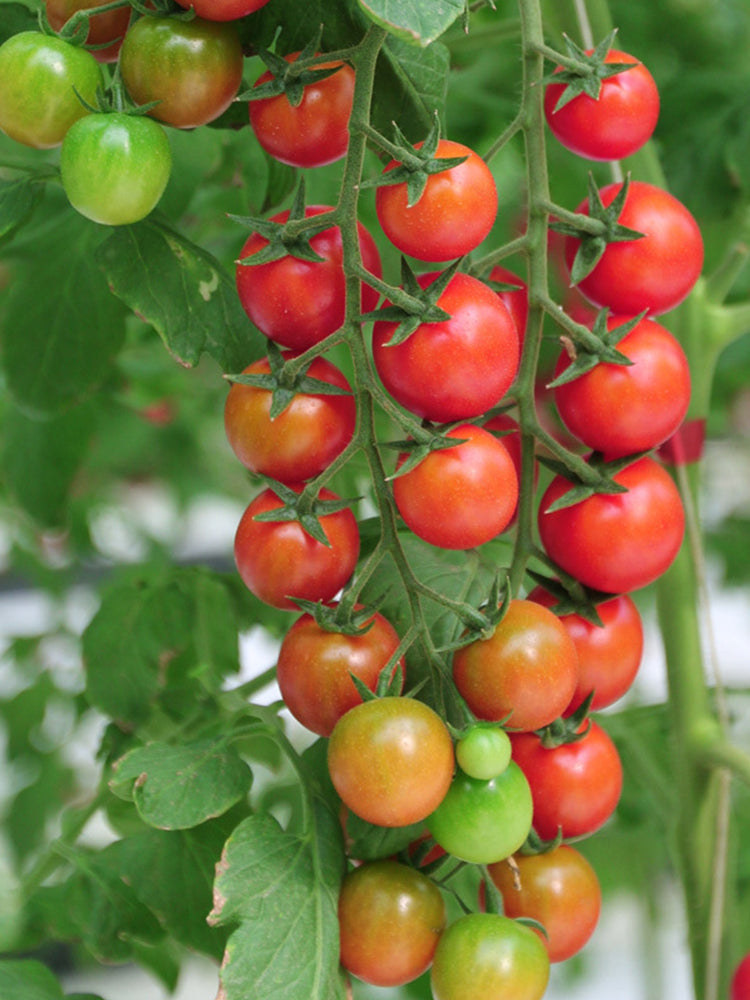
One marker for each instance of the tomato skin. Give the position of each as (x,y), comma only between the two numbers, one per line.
(192,68)
(278,560)
(455,213)
(391,760)
(618,542)
(483,751)
(39,75)
(653,273)
(559,889)
(483,821)
(489,956)
(455,369)
(298,302)
(314,666)
(622,409)
(316,131)
(525,672)
(516,300)
(391,917)
(616,124)
(110,26)
(460,497)
(303,439)
(575,786)
(740,985)
(609,654)
(222,10)
(115,167)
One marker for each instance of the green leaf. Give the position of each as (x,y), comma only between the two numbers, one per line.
(411,87)
(18,198)
(281,891)
(412,20)
(183,292)
(367,842)
(15,17)
(22,979)
(178,787)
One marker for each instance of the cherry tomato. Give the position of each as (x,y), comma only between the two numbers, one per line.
(314,667)
(614,125)
(489,956)
(740,986)
(616,542)
(115,166)
(622,409)
(222,10)
(454,214)
(559,889)
(655,272)
(391,760)
(575,787)
(303,439)
(460,497)
(106,29)
(192,68)
(483,821)
(279,561)
(609,654)
(315,131)
(455,369)
(525,673)
(39,77)
(299,302)
(483,752)
(516,299)
(507,430)
(391,917)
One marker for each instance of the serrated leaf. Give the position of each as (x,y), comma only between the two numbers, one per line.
(412,20)
(280,891)
(182,291)
(178,787)
(22,979)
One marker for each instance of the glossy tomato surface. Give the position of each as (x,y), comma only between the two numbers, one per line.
(516,298)
(300,441)
(298,302)
(315,131)
(222,10)
(453,369)
(192,68)
(279,560)
(614,125)
(616,542)
(454,214)
(106,29)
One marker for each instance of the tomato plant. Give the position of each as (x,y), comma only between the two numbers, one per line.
(391,917)
(106,30)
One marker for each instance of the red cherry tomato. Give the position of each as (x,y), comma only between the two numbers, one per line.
(516,299)
(222,10)
(107,29)
(455,369)
(740,986)
(279,561)
(315,131)
(454,214)
(614,125)
(460,497)
(616,542)
(299,302)
(655,272)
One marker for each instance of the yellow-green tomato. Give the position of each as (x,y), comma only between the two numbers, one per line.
(115,167)
(483,751)
(41,77)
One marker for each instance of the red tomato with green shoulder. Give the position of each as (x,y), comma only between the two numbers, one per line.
(303,439)
(391,917)
(653,273)
(222,10)
(454,214)
(489,956)
(106,29)
(279,560)
(623,409)
(617,542)
(297,303)
(460,497)
(612,126)
(192,68)
(454,369)
(524,674)
(314,668)
(314,132)
(39,77)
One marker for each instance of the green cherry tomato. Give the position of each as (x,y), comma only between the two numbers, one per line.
(484,752)
(39,77)
(483,821)
(489,956)
(115,167)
